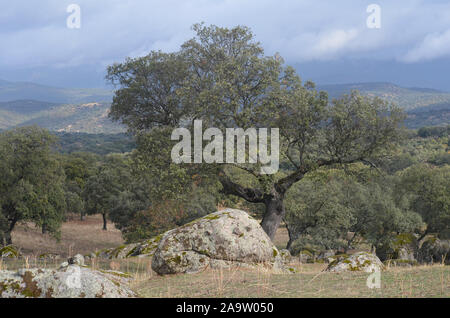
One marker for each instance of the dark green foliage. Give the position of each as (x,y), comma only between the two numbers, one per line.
(428,116)
(32,182)
(427,190)
(78,167)
(334,209)
(107,182)
(437,131)
(101,144)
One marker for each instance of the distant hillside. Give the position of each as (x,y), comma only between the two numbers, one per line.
(86,110)
(10,91)
(434,115)
(407,98)
(26,107)
(88,118)
(55,108)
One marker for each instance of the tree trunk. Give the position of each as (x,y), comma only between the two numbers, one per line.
(104,222)
(44,228)
(5,237)
(273,201)
(274,215)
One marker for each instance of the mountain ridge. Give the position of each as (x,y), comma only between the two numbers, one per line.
(11,91)
(86,110)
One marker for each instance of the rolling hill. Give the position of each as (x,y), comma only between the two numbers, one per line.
(86,110)
(10,91)
(407,98)
(57,109)
(424,106)
(89,118)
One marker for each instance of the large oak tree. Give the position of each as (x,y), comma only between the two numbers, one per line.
(222,77)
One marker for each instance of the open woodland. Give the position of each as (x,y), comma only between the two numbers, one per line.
(356,175)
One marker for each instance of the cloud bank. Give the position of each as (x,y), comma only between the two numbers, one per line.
(34,35)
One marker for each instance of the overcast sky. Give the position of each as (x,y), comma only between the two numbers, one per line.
(327,41)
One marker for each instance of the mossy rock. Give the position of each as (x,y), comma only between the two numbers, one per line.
(434,250)
(9,251)
(305,256)
(141,249)
(403,246)
(68,282)
(285,255)
(358,262)
(221,239)
(326,256)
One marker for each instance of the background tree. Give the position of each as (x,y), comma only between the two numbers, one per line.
(316,218)
(427,189)
(32,183)
(78,167)
(223,78)
(105,184)
(336,209)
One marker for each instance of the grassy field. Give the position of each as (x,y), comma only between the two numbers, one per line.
(77,236)
(310,281)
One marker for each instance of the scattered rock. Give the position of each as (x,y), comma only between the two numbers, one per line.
(221,239)
(64,264)
(76,260)
(403,247)
(71,281)
(305,257)
(361,261)
(286,256)
(434,250)
(50,256)
(9,251)
(326,256)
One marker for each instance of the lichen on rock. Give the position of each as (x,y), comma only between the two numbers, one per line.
(226,238)
(141,249)
(361,261)
(9,251)
(403,247)
(71,281)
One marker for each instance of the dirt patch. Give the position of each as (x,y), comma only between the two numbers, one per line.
(76,237)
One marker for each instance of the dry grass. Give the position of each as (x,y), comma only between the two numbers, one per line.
(310,281)
(76,237)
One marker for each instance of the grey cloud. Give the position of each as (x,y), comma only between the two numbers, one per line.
(34,34)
